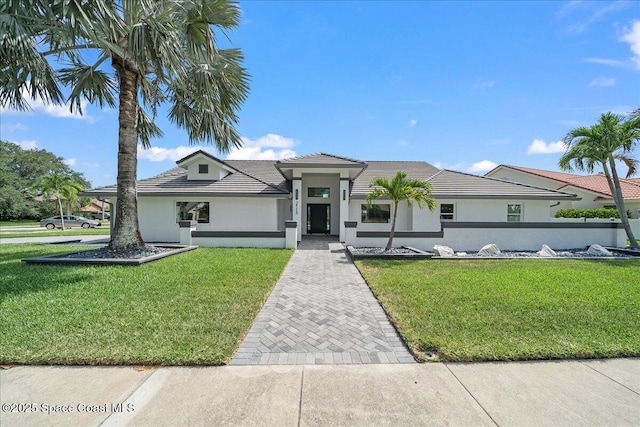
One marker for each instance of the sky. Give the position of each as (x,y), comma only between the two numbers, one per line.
(461,85)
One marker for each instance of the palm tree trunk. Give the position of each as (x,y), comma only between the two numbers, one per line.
(126,231)
(393,226)
(618,198)
(61,213)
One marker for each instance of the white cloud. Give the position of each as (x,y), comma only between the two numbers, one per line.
(538,146)
(26,144)
(486,85)
(603,82)
(633,38)
(583,14)
(39,106)
(402,142)
(412,123)
(605,61)
(159,154)
(268,147)
(269,140)
(256,153)
(70,162)
(482,166)
(254,149)
(12,127)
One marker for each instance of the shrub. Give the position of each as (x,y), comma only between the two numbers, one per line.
(589,213)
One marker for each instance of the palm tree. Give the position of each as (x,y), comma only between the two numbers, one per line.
(58,187)
(397,189)
(136,54)
(612,139)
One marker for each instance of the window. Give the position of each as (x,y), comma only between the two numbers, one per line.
(514,213)
(192,211)
(318,192)
(375,213)
(203,168)
(447,212)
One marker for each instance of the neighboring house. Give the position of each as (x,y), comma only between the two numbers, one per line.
(95,206)
(257,202)
(592,190)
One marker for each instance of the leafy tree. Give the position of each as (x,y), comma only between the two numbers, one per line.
(19,169)
(612,139)
(58,187)
(397,189)
(143,53)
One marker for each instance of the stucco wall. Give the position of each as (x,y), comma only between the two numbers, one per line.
(157,216)
(530,239)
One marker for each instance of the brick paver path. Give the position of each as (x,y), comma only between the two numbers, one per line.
(321,311)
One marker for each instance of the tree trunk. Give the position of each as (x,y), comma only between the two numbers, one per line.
(61,213)
(618,198)
(393,227)
(126,231)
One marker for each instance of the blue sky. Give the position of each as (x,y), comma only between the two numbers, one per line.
(461,85)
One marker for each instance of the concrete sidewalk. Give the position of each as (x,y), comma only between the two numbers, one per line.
(559,393)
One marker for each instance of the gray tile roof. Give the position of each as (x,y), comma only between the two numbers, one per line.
(375,169)
(262,178)
(452,184)
(175,181)
(320,159)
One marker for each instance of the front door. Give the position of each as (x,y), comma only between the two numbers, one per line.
(318,218)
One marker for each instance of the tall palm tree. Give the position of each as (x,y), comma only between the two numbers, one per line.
(58,187)
(397,189)
(612,139)
(136,54)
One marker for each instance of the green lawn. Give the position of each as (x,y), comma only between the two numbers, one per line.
(21,222)
(511,309)
(7,232)
(188,309)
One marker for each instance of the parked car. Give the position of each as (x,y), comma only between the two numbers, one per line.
(69,221)
(98,215)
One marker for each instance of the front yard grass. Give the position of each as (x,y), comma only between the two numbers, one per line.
(188,309)
(8,232)
(477,310)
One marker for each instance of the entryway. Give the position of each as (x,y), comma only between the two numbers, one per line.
(318,218)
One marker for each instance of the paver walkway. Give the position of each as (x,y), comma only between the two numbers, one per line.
(321,311)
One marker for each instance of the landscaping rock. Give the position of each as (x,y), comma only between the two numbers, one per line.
(489,250)
(597,250)
(461,254)
(444,251)
(546,251)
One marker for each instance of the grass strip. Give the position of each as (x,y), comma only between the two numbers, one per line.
(188,309)
(10,234)
(512,309)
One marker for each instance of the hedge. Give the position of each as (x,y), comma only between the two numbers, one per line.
(589,213)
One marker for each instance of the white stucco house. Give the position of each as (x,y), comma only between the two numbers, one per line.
(260,203)
(592,190)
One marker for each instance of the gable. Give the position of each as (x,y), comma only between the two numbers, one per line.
(202,166)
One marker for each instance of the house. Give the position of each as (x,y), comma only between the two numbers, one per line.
(95,206)
(592,190)
(211,202)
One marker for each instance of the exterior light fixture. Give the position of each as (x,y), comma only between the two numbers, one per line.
(344,194)
(296,194)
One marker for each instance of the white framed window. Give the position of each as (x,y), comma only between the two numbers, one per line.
(514,212)
(376,213)
(323,192)
(447,212)
(193,211)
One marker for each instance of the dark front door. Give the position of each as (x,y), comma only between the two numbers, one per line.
(318,218)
